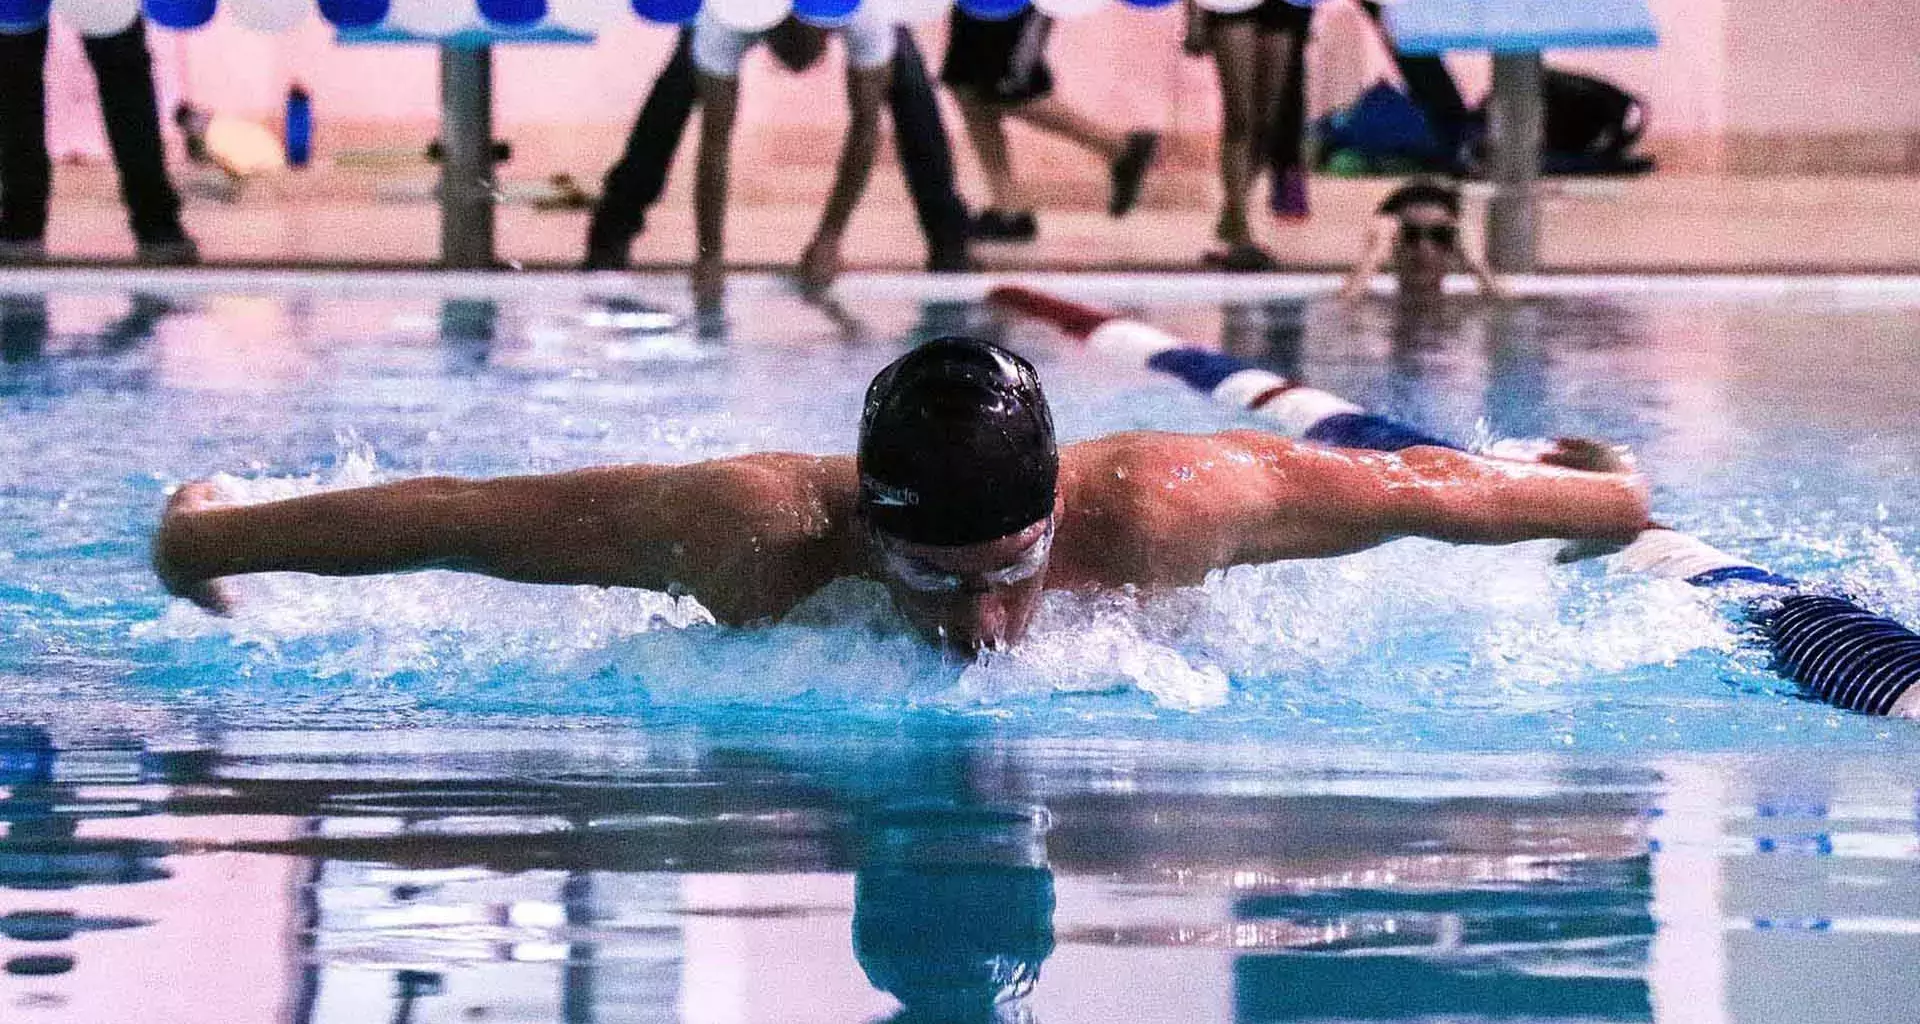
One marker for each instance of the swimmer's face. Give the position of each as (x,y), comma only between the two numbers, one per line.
(971,597)
(1429,235)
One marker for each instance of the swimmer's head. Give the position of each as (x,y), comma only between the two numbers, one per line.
(1432,195)
(959,474)
(956,445)
(1428,233)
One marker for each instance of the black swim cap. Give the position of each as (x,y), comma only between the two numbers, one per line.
(956,445)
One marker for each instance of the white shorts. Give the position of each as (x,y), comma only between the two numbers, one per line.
(718,50)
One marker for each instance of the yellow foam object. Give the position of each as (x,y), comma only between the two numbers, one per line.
(244,148)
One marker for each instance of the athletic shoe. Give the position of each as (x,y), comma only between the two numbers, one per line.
(22,252)
(167,252)
(997,226)
(1130,169)
(1288,194)
(607,246)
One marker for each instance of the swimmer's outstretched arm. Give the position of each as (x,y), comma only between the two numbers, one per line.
(1472,499)
(748,536)
(1333,501)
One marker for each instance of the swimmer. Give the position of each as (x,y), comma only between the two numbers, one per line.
(957,500)
(1417,229)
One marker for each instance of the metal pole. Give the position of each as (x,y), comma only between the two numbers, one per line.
(1513,228)
(466,156)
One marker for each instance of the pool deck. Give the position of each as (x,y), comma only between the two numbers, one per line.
(1663,223)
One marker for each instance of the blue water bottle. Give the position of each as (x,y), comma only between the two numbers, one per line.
(299,126)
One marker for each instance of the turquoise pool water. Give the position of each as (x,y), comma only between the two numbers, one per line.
(1418,783)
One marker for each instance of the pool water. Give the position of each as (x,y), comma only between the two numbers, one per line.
(1418,783)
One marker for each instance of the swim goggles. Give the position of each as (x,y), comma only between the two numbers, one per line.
(1443,235)
(918,575)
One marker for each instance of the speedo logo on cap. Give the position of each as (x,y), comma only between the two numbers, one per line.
(878,492)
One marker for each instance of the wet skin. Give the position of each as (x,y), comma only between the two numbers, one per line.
(752,536)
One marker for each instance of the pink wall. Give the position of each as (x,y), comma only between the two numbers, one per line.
(1843,67)
(1683,80)
(1754,66)
(242,72)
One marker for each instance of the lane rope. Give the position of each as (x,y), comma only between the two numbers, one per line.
(1838,651)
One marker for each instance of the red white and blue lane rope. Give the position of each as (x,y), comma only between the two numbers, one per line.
(1839,651)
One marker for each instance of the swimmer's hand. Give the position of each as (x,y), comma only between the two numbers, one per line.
(819,265)
(1592,457)
(189,500)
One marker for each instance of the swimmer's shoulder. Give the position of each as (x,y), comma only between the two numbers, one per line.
(1151,487)
(737,481)
(744,478)
(1150,449)
(795,469)
(1132,445)
(773,494)
(751,535)
(1136,512)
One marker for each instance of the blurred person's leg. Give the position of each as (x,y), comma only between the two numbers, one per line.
(988,133)
(1128,154)
(991,66)
(920,139)
(26,171)
(1235,59)
(1267,76)
(1052,114)
(124,71)
(1243,55)
(1011,75)
(1283,55)
(1008,216)
(634,183)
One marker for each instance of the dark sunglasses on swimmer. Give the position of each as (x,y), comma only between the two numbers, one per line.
(1442,235)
